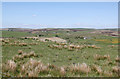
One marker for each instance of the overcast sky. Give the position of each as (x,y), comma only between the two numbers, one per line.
(60,14)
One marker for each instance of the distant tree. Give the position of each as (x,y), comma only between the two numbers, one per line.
(56,35)
(25,37)
(46,40)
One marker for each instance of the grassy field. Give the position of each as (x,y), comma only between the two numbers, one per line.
(95,56)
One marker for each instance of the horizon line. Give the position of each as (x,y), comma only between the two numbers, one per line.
(59,28)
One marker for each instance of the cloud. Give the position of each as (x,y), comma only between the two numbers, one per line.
(34,15)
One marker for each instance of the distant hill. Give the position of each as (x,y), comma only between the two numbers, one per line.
(52,29)
(16,29)
(112,29)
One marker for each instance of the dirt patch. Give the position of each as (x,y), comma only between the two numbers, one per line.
(53,39)
(33,32)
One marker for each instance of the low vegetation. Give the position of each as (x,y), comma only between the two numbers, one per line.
(82,54)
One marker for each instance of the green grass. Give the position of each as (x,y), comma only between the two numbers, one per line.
(62,57)
(15,34)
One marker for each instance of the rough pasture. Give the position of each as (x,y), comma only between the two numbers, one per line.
(76,57)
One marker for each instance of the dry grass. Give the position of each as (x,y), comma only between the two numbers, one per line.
(117,59)
(108,73)
(116,69)
(20,52)
(83,68)
(22,44)
(62,71)
(71,47)
(33,67)
(21,55)
(97,69)
(10,66)
(100,57)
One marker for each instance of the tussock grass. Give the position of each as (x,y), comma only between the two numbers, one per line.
(63,57)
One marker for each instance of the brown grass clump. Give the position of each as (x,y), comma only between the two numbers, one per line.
(112,46)
(100,57)
(25,55)
(65,46)
(55,46)
(62,44)
(116,69)
(33,63)
(22,55)
(109,63)
(23,68)
(51,66)
(62,71)
(42,68)
(60,47)
(97,57)
(51,46)
(107,57)
(108,73)
(22,44)
(17,57)
(20,52)
(83,68)
(117,59)
(97,69)
(93,46)
(70,49)
(6,41)
(74,68)
(33,68)
(32,43)
(32,74)
(32,53)
(77,47)
(9,66)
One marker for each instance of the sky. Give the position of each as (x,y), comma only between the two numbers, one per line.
(59,15)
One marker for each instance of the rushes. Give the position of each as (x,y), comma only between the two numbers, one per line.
(100,57)
(71,47)
(97,69)
(116,69)
(32,74)
(23,55)
(97,57)
(65,46)
(108,73)
(22,44)
(20,52)
(9,66)
(117,59)
(106,56)
(33,68)
(32,53)
(83,68)
(62,71)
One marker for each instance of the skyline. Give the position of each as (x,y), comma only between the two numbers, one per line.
(60,14)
